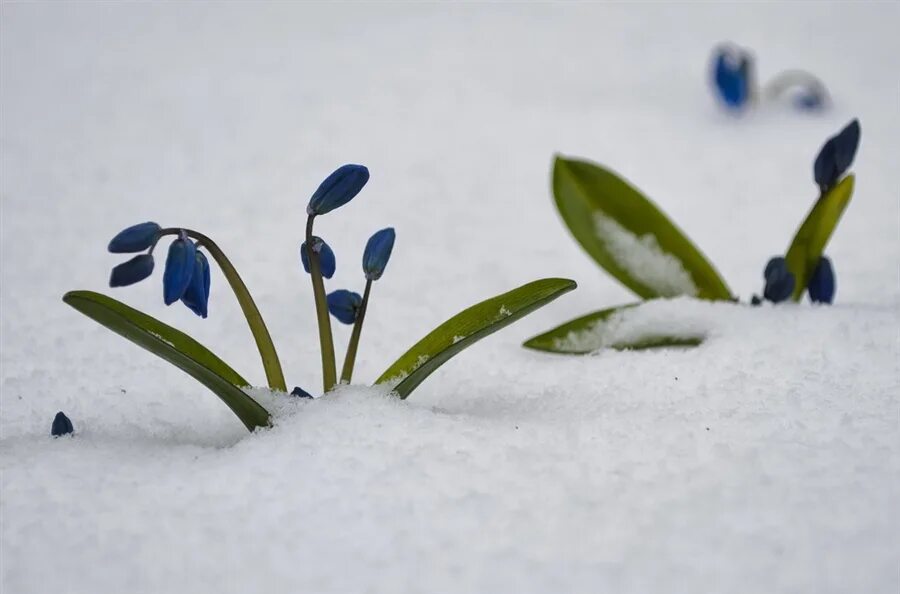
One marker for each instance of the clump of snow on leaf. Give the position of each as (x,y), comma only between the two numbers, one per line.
(644,259)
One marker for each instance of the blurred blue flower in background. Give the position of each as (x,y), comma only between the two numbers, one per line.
(732,75)
(779,280)
(821,285)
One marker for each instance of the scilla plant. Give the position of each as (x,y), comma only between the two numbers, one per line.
(187,278)
(631,238)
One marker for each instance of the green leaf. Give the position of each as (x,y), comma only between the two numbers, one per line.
(467,328)
(629,236)
(175,347)
(813,235)
(596,331)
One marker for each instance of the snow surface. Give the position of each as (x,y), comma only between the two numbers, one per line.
(654,268)
(766,460)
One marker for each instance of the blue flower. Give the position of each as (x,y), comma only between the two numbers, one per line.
(300,392)
(338,189)
(779,280)
(821,284)
(61,425)
(344,305)
(836,156)
(327,261)
(136,238)
(132,271)
(179,268)
(378,252)
(732,75)
(811,100)
(196,297)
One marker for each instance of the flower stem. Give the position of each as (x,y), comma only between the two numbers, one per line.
(272,366)
(790,78)
(326,342)
(350,358)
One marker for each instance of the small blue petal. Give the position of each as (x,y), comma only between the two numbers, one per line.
(300,392)
(338,189)
(821,285)
(327,262)
(61,425)
(344,305)
(731,76)
(132,271)
(378,252)
(136,238)
(196,297)
(836,156)
(179,269)
(779,281)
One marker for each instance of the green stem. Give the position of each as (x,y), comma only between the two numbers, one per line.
(326,343)
(350,359)
(272,366)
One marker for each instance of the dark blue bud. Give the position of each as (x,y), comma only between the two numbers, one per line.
(132,271)
(61,425)
(378,252)
(338,189)
(344,305)
(779,280)
(300,392)
(821,285)
(836,156)
(136,238)
(756,300)
(731,76)
(196,297)
(810,100)
(179,269)
(327,261)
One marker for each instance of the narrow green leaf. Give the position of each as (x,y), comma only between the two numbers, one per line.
(813,235)
(175,347)
(468,327)
(596,331)
(629,236)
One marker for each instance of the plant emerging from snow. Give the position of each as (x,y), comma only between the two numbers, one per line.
(187,278)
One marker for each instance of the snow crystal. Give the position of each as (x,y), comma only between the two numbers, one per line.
(643,258)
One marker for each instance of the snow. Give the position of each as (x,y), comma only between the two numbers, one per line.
(765,460)
(652,267)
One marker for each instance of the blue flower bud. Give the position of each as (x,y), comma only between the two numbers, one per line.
(136,238)
(344,305)
(810,100)
(61,425)
(132,271)
(300,392)
(179,268)
(731,76)
(836,156)
(377,253)
(779,280)
(338,189)
(196,297)
(327,261)
(821,285)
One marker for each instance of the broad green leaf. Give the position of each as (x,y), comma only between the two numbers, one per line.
(813,235)
(629,236)
(175,347)
(468,327)
(596,331)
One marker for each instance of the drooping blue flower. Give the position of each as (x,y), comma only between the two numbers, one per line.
(327,262)
(836,156)
(300,392)
(196,297)
(378,252)
(179,269)
(61,425)
(136,238)
(132,271)
(779,280)
(338,189)
(731,75)
(344,305)
(821,285)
